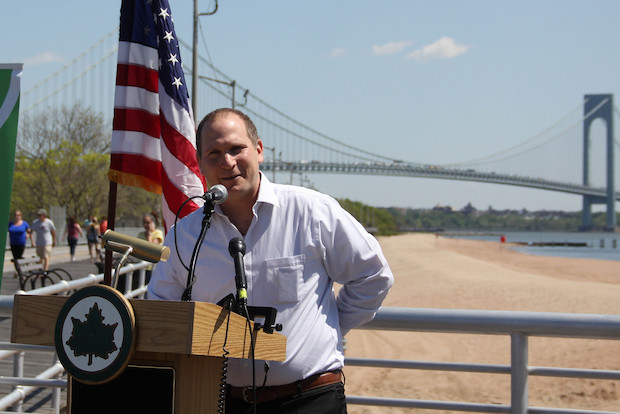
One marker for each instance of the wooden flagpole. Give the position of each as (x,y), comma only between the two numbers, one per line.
(107,270)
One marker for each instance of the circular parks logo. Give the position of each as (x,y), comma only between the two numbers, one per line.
(94,334)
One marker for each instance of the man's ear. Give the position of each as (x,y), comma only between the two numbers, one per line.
(259,150)
(202,171)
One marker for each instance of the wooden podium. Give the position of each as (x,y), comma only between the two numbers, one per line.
(176,363)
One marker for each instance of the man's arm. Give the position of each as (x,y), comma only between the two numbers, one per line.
(354,259)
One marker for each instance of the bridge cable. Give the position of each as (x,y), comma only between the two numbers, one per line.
(223,75)
(478,161)
(115,31)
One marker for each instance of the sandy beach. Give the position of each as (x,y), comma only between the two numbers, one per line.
(437,272)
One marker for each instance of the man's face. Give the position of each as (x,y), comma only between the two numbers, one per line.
(229,157)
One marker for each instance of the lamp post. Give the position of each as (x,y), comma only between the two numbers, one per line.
(195,54)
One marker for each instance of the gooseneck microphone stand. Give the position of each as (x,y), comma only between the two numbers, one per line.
(209,208)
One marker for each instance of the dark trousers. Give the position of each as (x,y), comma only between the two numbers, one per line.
(18,250)
(324,400)
(72,244)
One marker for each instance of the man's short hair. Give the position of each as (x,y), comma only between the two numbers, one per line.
(212,116)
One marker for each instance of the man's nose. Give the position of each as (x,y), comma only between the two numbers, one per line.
(228,161)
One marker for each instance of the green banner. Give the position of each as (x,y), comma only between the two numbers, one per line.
(10,76)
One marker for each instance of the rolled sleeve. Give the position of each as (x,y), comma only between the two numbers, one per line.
(354,259)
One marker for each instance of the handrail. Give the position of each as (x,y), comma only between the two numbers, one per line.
(518,325)
(64,286)
(548,324)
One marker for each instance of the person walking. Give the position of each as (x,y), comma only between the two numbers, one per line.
(45,232)
(73,232)
(103,225)
(92,238)
(19,233)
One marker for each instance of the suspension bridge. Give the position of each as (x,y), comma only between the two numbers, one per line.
(556,159)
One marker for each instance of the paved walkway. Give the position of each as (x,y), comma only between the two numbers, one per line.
(61,258)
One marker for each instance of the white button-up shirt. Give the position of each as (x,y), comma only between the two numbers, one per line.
(299,243)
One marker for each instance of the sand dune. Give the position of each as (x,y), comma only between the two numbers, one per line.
(436,272)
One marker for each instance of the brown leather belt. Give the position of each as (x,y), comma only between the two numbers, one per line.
(271,393)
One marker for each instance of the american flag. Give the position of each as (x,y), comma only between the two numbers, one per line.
(154,136)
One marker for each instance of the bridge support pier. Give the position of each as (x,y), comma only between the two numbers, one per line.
(599,106)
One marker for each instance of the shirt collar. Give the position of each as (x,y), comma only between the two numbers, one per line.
(266,191)
(266,194)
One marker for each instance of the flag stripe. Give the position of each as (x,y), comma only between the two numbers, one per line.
(134,75)
(126,119)
(179,173)
(137,54)
(136,143)
(135,164)
(173,198)
(178,146)
(136,98)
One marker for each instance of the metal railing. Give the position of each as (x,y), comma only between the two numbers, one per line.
(51,377)
(22,386)
(519,326)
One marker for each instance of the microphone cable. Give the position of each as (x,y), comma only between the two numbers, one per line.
(248,325)
(176,219)
(221,403)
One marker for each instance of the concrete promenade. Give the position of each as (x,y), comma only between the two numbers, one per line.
(60,258)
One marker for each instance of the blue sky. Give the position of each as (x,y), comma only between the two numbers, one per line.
(434,82)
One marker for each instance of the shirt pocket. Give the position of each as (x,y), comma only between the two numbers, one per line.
(285,277)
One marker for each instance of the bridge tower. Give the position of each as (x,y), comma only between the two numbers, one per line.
(602,105)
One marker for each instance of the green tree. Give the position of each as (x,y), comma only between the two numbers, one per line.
(62,159)
(65,176)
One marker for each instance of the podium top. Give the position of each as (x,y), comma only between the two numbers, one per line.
(191,328)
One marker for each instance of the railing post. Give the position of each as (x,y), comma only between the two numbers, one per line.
(142,281)
(519,373)
(18,371)
(56,392)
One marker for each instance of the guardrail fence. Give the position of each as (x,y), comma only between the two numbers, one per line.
(519,326)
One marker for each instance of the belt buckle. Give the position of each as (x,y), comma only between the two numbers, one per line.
(243,394)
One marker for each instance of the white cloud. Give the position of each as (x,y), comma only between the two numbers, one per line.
(338,52)
(444,48)
(45,57)
(390,48)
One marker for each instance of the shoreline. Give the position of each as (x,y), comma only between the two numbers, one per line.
(439,272)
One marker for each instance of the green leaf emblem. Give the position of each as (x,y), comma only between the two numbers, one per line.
(92,337)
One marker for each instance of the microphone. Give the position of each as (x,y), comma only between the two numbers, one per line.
(217,194)
(142,249)
(236,248)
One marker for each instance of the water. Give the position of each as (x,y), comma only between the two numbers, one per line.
(601,246)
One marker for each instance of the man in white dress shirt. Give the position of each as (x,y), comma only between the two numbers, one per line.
(298,243)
